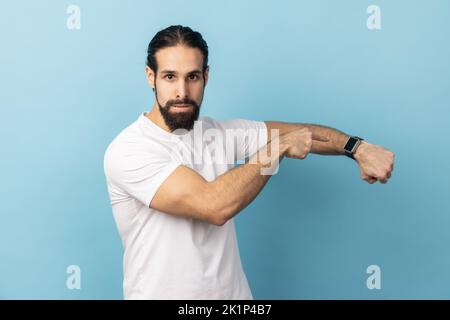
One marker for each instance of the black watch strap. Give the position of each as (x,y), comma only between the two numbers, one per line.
(352,144)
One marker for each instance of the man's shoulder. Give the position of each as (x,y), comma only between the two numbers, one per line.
(233,123)
(125,136)
(133,140)
(218,123)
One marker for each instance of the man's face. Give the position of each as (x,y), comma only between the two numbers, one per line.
(179,85)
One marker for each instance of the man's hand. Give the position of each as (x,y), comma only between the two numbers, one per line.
(375,162)
(298,143)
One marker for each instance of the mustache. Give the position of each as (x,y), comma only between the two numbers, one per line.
(186,101)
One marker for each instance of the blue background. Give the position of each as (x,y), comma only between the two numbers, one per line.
(316,227)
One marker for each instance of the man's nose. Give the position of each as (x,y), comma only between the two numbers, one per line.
(182,90)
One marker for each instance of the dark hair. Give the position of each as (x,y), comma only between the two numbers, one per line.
(172,36)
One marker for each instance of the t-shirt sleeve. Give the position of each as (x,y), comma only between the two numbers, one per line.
(139,174)
(250,135)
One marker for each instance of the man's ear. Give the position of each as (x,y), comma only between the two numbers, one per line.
(206,75)
(150,77)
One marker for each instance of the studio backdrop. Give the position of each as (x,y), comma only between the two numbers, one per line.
(72,77)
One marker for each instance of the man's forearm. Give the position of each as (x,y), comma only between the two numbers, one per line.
(336,139)
(235,189)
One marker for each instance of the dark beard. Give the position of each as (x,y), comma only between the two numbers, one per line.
(182,120)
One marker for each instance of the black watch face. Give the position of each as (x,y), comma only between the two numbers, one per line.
(350,144)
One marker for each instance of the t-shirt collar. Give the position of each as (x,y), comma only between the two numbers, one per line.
(148,124)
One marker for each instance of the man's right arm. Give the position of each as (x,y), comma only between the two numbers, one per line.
(186,193)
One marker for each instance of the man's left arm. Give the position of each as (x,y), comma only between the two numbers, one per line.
(376,163)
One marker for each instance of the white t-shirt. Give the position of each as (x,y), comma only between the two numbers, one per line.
(167,256)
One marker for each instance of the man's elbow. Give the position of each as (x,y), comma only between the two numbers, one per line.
(216,214)
(217,220)
(215,209)
(221,215)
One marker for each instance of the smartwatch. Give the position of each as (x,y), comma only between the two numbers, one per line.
(351,146)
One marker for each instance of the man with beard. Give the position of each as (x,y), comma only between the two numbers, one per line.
(174,198)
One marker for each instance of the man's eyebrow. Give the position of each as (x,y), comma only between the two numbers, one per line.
(168,71)
(174,72)
(195,72)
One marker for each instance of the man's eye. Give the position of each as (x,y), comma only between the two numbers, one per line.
(169,76)
(193,77)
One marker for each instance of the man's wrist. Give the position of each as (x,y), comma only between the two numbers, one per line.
(351,146)
(272,152)
(359,150)
(282,147)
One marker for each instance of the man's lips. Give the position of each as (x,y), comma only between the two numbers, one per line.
(180,107)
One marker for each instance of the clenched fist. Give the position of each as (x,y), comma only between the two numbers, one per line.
(375,162)
(298,143)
